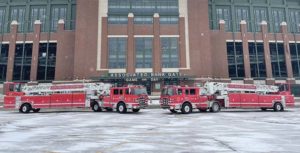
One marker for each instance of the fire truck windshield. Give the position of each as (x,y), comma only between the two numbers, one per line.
(167,92)
(139,91)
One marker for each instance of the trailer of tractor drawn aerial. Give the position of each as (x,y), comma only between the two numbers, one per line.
(214,95)
(98,96)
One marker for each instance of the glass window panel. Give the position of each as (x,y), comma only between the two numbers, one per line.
(235,60)
(278,60)
(117,52)
(17,13)
(3,61)
(257,60)
(2,20)
(278,18)
(223,13)
(57,12)
(242,13)
(22,63)
(37,13)
(169,48)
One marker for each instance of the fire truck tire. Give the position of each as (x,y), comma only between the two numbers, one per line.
(36,110)
(278,107)
(25,108)
(215,107)
(186,108)
(173,111)
(121,108)
(96,107)
(135,110)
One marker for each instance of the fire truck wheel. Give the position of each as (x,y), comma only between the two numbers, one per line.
(36,110)
(135,110)
(186,108)
(25,108)
(173,111)
(278,107)
(121,108)
(96,107)
(215,107)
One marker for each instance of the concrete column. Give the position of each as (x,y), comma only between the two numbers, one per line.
(35,50)
(220,62)
(60,58)
(182,44)
(11,52)
(287,54)
(222,25)
(130,44)
(264,29)
(156,48)
(247,78)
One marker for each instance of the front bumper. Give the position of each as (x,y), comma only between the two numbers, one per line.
(171,106)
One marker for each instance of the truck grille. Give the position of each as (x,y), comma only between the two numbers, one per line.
(165,101)
(142,102)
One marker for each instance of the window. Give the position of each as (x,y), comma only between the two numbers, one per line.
(257,60)
(17,13)
(235,60)
(73,17)
(260,14)
(223,13)
(187,92)
(167,7)
(179,91)
(2,20)
(121,92)
(116,91)
(294,20)
(37,13)
(278,60)
(193,92)
(57,12)
(118,7)
(140,8)
(3,60)
(117,20)
(47,61)
(278,18)
(242,13)
(117,53)
(169,49)
(143,20)
(143,49)
(22,63)
(143,6)
(168,20)
(295,58)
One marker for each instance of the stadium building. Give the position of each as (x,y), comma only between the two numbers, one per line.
(150,42)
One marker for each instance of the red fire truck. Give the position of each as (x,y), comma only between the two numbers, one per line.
(213,96)
(122,99)
(26,97)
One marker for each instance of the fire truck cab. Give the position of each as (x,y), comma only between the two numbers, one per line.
(122,99)
(184,99)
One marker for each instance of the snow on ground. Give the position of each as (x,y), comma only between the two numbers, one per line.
(151,130)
